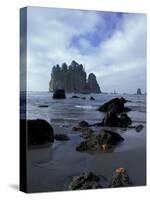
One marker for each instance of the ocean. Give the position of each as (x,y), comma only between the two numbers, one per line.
(51,169)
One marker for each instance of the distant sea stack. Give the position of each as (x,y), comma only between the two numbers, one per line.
(73,78)
(139,91)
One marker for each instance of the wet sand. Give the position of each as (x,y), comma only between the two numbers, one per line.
(51,169)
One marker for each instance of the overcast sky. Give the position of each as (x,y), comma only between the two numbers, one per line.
(111,45)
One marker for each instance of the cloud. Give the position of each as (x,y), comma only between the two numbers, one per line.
(111,45)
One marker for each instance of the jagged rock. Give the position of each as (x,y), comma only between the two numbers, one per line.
(116,120)
(102,141)
(120,178)
(92,84)
(72,78)
(39,132)
(59,94)
(86,180)
(139,91)
(116,104)
(123,100)
(92,98)
(124,120)
(62,137)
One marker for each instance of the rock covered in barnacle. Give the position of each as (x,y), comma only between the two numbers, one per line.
(104,140)
(86,180)
(120,178)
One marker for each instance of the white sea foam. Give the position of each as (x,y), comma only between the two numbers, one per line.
(87,107)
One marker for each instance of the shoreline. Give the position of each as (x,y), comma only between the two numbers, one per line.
(51,169)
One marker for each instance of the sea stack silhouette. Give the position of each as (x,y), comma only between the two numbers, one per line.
(73,79)
(139,91)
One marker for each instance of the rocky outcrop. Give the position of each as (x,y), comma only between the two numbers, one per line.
(92,84)
(59,94)
(86,180)
(39,132)
(73,78)
(116,120)
(120,178)
(92,98)
(139,91)
(115,113)
(104,140)
(116,104)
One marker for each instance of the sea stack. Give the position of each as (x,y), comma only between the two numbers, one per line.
(139,91)
(92,83)
(73,79)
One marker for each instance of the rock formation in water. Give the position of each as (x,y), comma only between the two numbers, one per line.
(73,78)
(139,91)
(92,83)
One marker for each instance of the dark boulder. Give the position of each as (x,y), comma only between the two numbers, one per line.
(75,97)
(124,120)
(120,178)
(86,180)
(102,141)
(62,137)
(139,128)
(116,120)
(92,98)
(83,98)
(123,100)
(43,106)
(59,94)
(116,104)
(38,131)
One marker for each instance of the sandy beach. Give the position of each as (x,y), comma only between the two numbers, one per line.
(51,169)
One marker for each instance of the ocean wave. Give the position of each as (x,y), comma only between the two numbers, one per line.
(87,107)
